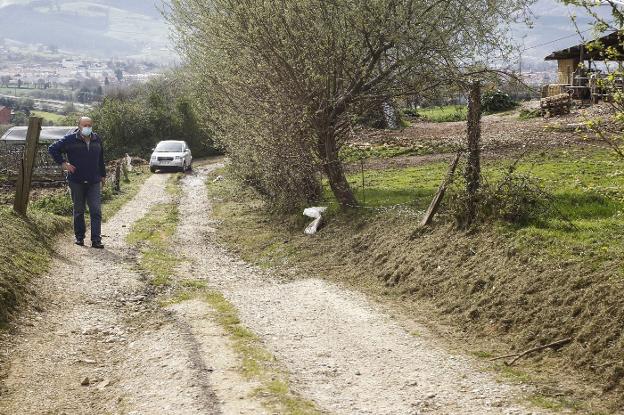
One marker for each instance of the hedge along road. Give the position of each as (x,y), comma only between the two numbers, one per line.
(102,341)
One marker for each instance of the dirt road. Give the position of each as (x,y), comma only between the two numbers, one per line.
(103,344)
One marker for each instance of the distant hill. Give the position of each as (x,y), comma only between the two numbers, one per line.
(122,28)
(102,28)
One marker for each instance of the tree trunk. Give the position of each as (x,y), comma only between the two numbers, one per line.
(332,166)
(473,167)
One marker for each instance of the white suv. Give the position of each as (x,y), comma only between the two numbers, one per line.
(171,155)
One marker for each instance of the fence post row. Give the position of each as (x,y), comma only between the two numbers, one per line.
(27,165)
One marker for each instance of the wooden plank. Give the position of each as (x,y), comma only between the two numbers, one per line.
(437,199)
(27,164)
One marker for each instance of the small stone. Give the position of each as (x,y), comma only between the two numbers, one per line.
(105,383)
(412,383)
(358,373)
(85,382)
(431,396)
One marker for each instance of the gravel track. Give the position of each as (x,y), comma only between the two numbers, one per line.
(97,346)
(343,353)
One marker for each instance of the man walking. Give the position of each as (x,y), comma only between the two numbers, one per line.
(84,164)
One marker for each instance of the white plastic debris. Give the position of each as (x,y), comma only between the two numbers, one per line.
(315,213)
(218,179)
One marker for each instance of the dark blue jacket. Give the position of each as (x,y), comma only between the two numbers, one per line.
(88,160)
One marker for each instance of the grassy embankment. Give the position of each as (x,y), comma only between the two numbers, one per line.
(26,243)
(503,287)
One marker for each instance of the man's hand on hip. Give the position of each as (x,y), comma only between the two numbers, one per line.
(68,167)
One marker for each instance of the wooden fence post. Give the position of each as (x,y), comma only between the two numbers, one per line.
(473,167)
(117,179)
(437,199)
(27,165)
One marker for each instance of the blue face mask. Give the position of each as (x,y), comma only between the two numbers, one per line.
(86,131)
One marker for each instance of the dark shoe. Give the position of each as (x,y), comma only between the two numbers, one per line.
(79,242)
(97,245)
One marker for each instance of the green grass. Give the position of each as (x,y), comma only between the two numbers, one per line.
(555,403)
(526,114)
(25,252)
(354,154)
(57,119)
(449,113)
(383,188)
(151,235)
(587,188)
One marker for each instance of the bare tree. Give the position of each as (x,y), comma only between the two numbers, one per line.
(295,70)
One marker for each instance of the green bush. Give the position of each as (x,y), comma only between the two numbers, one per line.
(497,101)
(59,204)
(517,199)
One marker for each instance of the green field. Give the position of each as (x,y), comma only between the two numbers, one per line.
(447,113)
(57,119)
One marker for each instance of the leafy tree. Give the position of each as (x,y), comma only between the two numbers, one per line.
(134,120)
(281,79)
(20,118)
(496,101)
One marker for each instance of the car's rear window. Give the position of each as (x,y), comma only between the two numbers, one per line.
(170,147)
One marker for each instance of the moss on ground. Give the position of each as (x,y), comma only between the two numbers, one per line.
(503,287)
(257,363)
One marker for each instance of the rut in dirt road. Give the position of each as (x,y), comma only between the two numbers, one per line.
(342,352)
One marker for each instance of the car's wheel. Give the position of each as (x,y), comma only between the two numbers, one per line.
(153,169)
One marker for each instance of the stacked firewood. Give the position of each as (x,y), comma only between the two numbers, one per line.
(559,104)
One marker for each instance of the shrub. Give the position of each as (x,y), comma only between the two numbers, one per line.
(516,199)
(58,204)
(497,101)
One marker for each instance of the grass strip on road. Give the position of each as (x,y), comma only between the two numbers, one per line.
(257,363)
(152,236)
